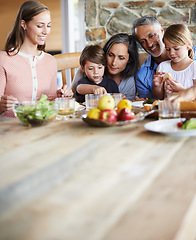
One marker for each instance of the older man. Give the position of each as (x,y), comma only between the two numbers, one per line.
(149,34)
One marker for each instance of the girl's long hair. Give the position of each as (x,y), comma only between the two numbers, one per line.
(16,37)
(179,34)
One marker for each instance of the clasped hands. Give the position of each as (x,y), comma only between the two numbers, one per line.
(171,85)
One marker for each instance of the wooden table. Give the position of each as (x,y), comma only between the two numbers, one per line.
(70,181)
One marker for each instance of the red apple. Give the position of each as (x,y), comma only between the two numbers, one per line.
(125,114)
(108,115)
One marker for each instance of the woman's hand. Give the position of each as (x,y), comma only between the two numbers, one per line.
(7,103)
(65,91)
(188,94)
(99,90)
(123,96)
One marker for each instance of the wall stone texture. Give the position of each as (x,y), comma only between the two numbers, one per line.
(105,18)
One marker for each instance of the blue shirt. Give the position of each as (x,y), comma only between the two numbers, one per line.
(109,84)
(144,77)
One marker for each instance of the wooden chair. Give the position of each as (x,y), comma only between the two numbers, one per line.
(67,61)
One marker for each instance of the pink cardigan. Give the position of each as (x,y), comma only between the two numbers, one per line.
(26,77)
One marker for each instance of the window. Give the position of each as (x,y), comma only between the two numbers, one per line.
(73,25)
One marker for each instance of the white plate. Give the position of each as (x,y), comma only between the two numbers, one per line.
(169,127)
(137,104)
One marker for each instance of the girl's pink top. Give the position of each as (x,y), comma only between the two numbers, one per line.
(26,77)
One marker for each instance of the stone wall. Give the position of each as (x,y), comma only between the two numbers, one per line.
(105,18)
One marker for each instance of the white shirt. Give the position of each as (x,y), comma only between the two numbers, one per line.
(185,77)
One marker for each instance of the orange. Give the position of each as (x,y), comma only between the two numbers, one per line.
(94,113)
(124,103)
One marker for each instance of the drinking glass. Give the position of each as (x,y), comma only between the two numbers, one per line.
(91,100)
(117,97)
(168,109)
(65,106)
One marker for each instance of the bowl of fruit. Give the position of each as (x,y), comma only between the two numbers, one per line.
(35,113)
(107,115)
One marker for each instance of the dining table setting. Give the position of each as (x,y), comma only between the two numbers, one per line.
(76,178)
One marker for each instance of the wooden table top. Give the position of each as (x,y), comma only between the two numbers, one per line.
(70,181)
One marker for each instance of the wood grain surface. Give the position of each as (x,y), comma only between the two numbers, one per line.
(70,181)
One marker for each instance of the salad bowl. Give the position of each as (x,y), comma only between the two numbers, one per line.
(35,113)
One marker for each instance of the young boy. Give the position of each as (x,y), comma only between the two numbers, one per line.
(93,62)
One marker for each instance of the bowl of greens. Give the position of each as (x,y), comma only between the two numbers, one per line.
(36,113)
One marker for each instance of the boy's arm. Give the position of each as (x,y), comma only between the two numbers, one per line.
(84,89)
(88,88)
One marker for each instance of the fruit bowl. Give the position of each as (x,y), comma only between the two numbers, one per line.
(101,123)
(32,113)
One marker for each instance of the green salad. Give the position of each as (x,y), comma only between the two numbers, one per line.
(36,114)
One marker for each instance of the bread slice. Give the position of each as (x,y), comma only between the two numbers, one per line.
(167,75)
(188,106)
(155,103)
(148,107)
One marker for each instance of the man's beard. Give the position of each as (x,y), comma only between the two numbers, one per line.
(161,47)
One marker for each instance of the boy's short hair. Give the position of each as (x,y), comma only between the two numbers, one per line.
(93,53)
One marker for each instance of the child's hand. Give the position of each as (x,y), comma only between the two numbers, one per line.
(173,86)
(99,90)
(158,85)
(158,79)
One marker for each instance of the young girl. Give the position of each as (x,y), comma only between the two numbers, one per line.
(93,62)
(182,68)
(26,71)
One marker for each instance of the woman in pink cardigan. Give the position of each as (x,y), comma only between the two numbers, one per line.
(26,71)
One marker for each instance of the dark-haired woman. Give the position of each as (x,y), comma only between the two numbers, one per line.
(26,71)
(122,63)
